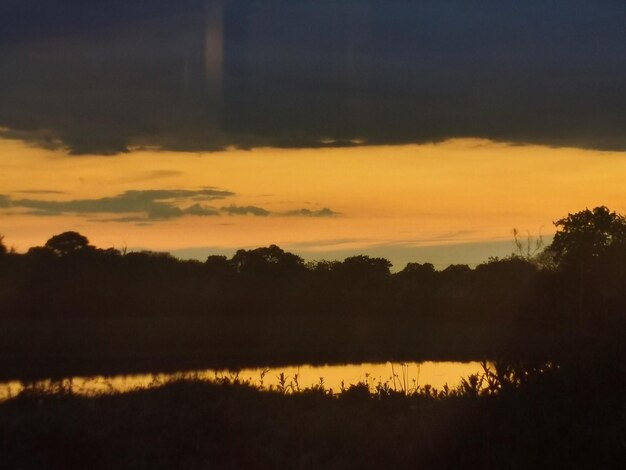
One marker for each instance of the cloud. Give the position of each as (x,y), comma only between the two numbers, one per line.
(137,220)
(107,77)
(148,206)
(44,213)
(325,212)
(314,244)
(246,210)
(40,191)
(154,204)
(259,211)
(198,209)
(42,138)
(157,174)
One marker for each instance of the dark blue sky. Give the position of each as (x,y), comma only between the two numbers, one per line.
(99,76)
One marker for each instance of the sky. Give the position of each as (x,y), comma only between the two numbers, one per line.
(419,131)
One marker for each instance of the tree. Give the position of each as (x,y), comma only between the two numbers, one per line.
(418,271)
(68,242)
(586,236)
(362,269)
(528,249)
(271,261)
(3,248)
(589,249)
(217,266)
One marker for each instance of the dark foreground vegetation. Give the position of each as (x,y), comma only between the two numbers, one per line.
(512,417)
(555,320)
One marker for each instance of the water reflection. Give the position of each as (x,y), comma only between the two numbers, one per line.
(400,376)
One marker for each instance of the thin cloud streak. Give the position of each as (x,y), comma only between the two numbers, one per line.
(245,210)
(151,205)
(325,212)
(40,191)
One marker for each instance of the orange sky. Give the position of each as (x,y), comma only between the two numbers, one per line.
(412,196)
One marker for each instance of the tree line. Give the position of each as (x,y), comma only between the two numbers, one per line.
(580,278)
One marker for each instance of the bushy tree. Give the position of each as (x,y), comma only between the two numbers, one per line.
(365,268)
(418,271)
(271,261)
(589,249)
(586,236)
(67,242)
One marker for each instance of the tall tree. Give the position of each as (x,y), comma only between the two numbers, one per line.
(584,237)
(589,249)
(68,242)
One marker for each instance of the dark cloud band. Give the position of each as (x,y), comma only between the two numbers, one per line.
(202,75)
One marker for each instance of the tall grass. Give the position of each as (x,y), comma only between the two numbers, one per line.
(495,378)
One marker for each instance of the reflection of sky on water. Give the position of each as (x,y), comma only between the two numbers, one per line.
(400,376)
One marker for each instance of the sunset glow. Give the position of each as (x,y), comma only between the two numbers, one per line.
(456,192)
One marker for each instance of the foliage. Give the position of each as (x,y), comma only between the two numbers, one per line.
(554,399)
(67,243)
(586,236)
(270,261)
(267,305)
(556,418)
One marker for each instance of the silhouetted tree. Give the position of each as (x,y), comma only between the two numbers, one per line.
(270,261)
(418,271)
(365,267)
(365,281)
(324,266)
(413,292)
(589,249)
(456,271)
(39,254)
(217,265)
(3,248)
(454,288)
(67,242)
(503,287)
(587,235)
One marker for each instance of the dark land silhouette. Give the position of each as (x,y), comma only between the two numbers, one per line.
(552,319)
(513,416)
(69,308)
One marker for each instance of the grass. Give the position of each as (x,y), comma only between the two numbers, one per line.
(514,415)
(403,380)
(542,421)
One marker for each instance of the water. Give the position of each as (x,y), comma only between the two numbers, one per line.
(401,376)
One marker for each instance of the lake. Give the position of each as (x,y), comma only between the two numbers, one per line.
(399,376)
